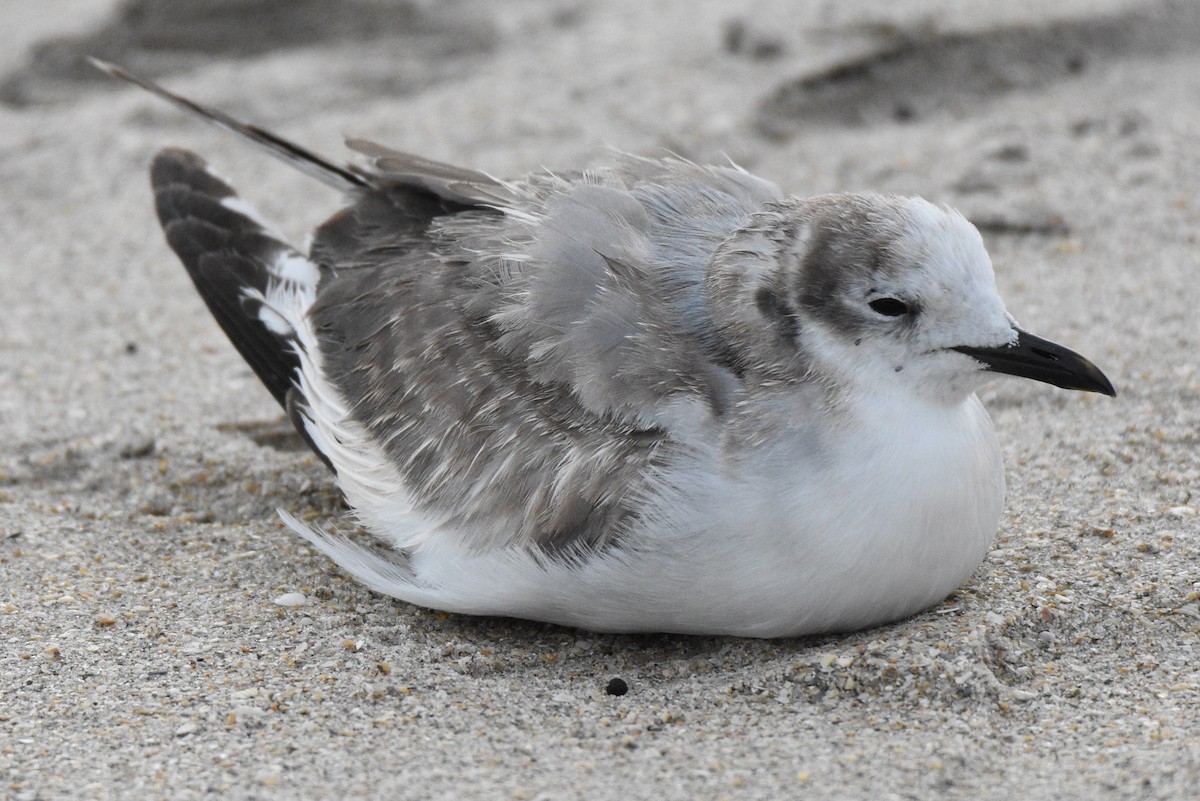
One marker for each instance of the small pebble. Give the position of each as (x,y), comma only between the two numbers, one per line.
(138,448)
(291,599)
(616,687)
(1010,151)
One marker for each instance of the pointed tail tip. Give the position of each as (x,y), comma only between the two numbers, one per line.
(341,178)
(107,67)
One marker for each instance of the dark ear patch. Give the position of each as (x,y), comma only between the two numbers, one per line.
(778,312)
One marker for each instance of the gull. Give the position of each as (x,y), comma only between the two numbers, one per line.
(649,396)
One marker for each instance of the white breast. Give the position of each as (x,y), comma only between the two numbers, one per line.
(898,513)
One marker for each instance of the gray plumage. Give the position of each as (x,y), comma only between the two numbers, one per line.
(511,362)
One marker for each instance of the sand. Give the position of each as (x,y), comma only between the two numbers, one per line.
(163,636)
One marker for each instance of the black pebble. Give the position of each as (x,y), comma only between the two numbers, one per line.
(616,687)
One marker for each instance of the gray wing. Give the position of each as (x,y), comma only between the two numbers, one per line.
(524,352)
(396,168)
(526,355)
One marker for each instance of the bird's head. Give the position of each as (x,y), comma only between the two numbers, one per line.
(875,292)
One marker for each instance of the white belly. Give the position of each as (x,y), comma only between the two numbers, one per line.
(895,518)
(891,524)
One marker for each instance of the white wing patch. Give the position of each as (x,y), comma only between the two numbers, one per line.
(296,268)
(269,317)
(290,291)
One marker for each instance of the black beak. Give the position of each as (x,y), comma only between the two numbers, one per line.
(1042,360)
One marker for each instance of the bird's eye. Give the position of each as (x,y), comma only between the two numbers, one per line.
(889,307)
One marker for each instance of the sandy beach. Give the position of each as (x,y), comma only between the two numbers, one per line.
(163,635)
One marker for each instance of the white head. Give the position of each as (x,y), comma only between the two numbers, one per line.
(877,293)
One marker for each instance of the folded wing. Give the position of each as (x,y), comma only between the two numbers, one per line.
(526,354)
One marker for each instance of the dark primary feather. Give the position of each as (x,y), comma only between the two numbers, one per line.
(225,253)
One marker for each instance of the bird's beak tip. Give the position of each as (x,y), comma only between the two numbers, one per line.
(1039,359)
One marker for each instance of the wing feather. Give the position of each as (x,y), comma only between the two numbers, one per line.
(485,364)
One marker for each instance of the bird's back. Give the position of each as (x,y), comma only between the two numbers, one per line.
(523,359)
